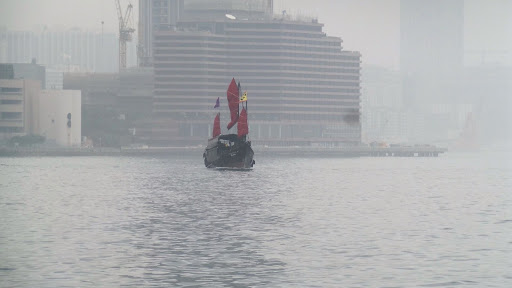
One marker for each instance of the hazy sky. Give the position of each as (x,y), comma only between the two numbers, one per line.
(369,26)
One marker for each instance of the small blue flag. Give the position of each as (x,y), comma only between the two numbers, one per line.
(217,104)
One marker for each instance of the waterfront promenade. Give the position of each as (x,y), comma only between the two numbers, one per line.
(359,151)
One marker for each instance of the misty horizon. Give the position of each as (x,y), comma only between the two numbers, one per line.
(369,26)
(452,57)
(256,143)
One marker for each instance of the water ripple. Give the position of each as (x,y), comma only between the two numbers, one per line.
(290,222)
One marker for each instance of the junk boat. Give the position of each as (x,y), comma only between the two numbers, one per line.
(231,150)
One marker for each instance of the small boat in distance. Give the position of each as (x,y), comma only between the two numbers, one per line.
(231,150)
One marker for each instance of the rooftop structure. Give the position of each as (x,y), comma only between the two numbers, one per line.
(156,15)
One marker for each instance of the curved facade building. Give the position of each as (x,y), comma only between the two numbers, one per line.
(303,88)
(229,6)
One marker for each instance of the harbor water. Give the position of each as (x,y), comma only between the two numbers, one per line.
(290,222)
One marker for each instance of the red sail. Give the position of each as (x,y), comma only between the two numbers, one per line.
(243,128)
(233,95)
(216,126)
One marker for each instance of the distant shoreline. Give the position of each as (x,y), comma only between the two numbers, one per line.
(423,151)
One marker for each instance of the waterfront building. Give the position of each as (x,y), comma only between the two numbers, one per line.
(303,87)
(98,89)
(60,117)
(19,103)
(117,107)
(27,109)
(135,102)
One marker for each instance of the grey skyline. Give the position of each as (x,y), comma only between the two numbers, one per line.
(369,26)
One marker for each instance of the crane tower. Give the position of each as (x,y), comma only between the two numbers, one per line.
(125,32)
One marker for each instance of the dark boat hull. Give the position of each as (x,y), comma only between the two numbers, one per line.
(239,155)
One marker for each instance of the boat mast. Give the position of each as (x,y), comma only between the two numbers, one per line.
(239,95)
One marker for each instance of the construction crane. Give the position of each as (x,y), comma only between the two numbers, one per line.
(125,31)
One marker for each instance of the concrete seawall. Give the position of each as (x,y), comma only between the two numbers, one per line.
(427,151)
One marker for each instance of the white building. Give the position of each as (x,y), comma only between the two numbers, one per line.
(60,115)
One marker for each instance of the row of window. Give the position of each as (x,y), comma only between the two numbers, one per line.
(267,108)
(270,88)
(223,43)
(11,115)
(164,75)
(290,93)
(11,129)
(263,54)
(283,26)
(257,116)
(10,90)
(261,100)
(300,72)
(247,75)
(229,66)
(230,47)
(250,34)
(259,82)
(273,131)
(265,101)
(263,40)
(180,68)
(335,62)
(10,102)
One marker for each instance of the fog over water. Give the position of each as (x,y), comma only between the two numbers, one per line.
(441,96)
(369,26)
(433,73)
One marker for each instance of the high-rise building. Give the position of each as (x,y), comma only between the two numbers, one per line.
(155,15)
(89,51)
(432,55)
(303,87)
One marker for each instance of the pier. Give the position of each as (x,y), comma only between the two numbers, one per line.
(358,151)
